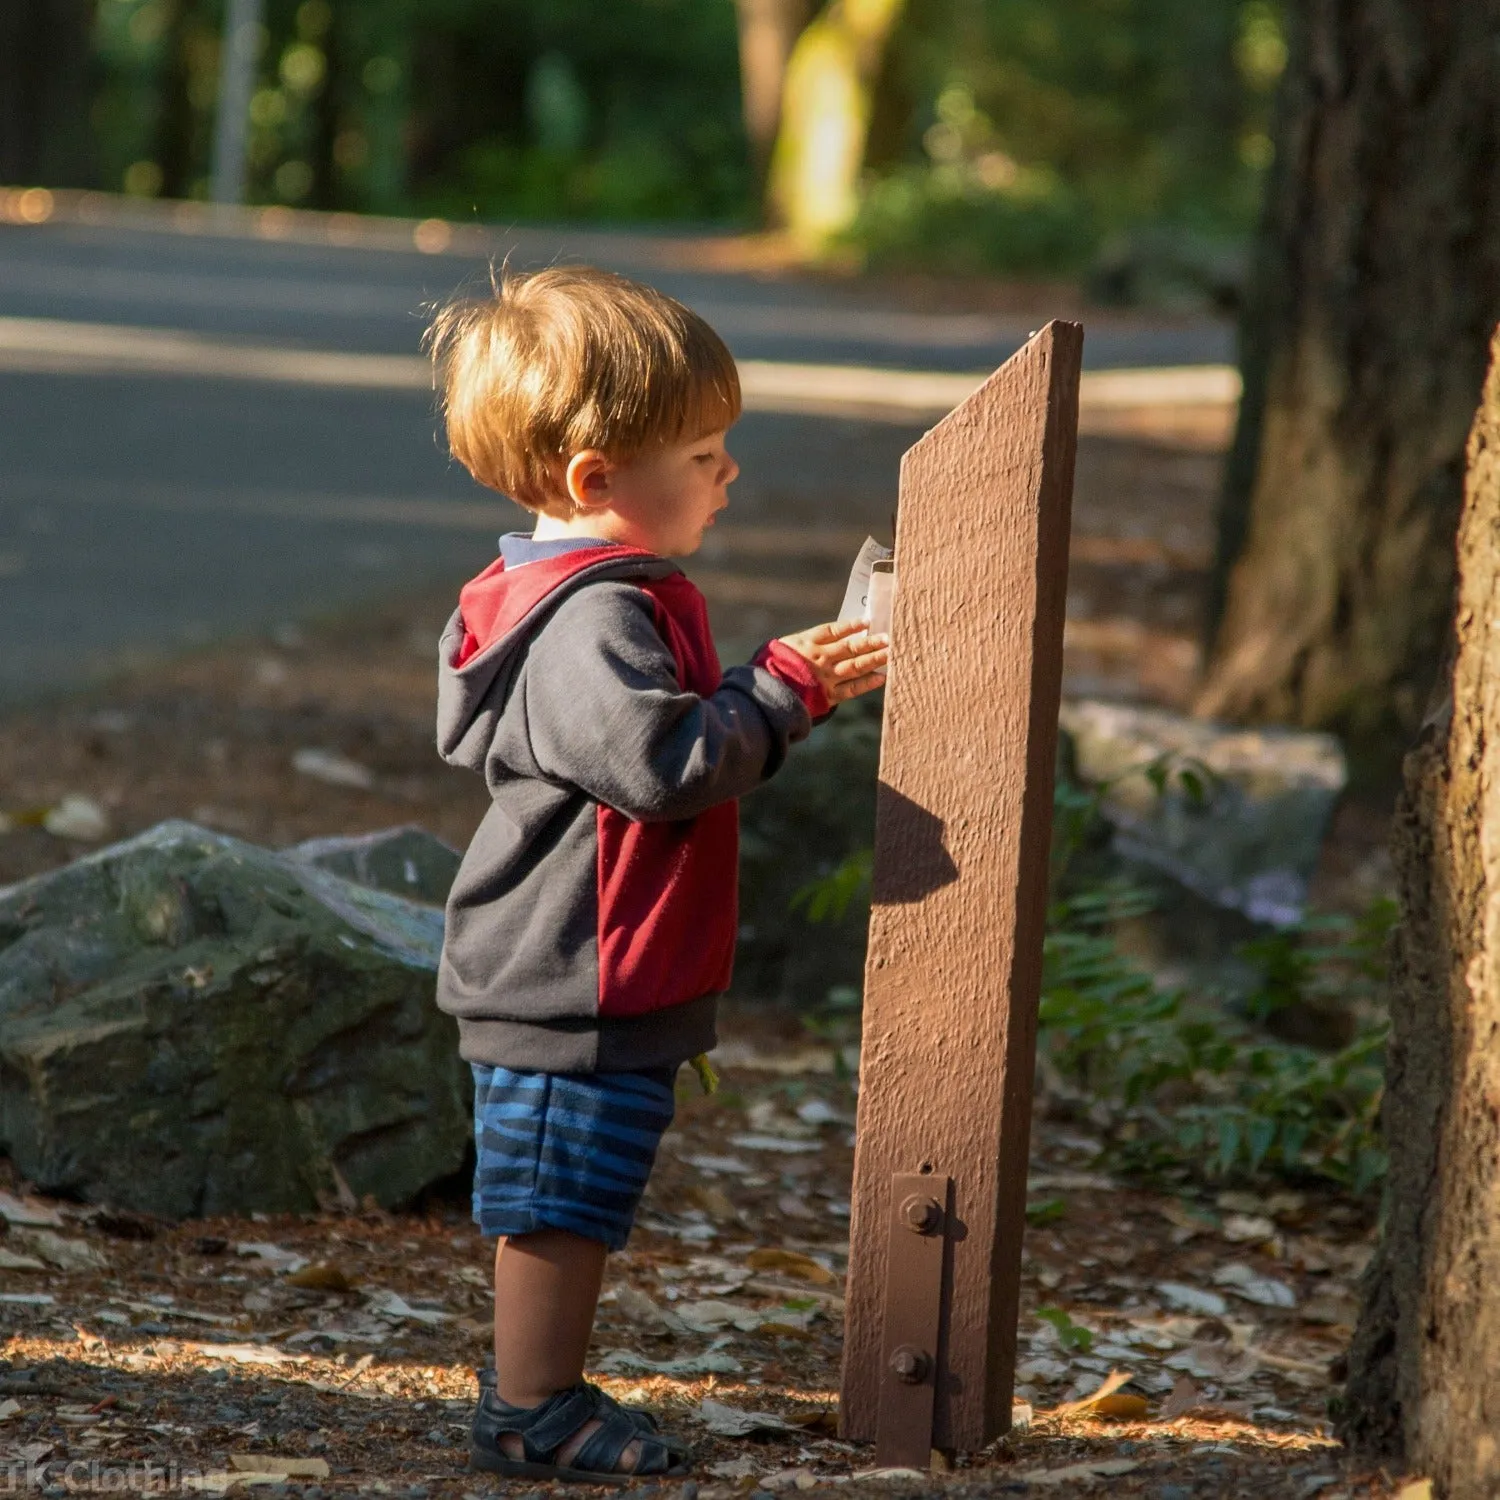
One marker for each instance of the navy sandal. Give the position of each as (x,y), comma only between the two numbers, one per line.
(545,1429)
(643,1419)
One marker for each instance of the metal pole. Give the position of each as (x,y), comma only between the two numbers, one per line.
(239,49)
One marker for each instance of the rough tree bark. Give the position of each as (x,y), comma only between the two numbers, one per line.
(1424,1383)
(44,92)
(827,105)
(1376,286)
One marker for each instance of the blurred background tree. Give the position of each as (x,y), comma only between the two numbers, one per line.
(46,78)
(1125,138)
(1376,291)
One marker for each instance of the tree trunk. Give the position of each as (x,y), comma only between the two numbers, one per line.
(825,118)
(327,116)
(1424,1384)
(44,92)
(768,31)
(1376,285)
(177,121)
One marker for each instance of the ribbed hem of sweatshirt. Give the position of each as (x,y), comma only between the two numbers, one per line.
(658,1039)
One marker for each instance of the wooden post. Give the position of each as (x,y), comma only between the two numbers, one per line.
(962,836)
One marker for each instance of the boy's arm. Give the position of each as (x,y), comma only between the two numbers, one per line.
(605,712)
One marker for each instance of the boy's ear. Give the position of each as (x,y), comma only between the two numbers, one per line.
(590,478)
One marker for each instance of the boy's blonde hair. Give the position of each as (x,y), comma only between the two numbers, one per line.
(570,358)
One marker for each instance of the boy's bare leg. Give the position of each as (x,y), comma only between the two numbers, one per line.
(546,1292)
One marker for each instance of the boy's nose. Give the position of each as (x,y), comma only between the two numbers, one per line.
(731,470)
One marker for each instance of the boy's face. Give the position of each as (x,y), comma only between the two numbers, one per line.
(665,499)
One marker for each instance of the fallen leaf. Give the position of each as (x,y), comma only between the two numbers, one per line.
(791,1263)
(710,1316)
(10,1261)
(1107,1387)
(16,1210)
(1100,1469)
(714,1201)
(1121,1407)
(287,1468)
(735,1468)
(903,1474)
(793,1206)
(639,1308)
(1221,1362)
(627,1362)
(321,1276)
(28,1299)
(1264,1291)
(388,1304)
(730,1165)
(773,1143)
(1191,1299)
(66,1254)
(1243,1229)
(1184,1396)
(730,1422)
(170,1309)
(820,1112)
(775,1330)
(1416,1489)
(824,1422)
(274,1255)
(77,817)
(8,1408)
(331,767)
(246,1354)
(790,1479)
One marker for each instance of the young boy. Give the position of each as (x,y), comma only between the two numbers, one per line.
(592,922)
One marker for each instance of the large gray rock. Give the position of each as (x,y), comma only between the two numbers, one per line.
(406,861)
(1239,816)
(193,1025)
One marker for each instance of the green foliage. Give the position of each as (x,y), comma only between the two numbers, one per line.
(499,109)
(829,898)
(577,109)
(1073,1337)
(1183,1086)
(1046,1211)
(1045,132)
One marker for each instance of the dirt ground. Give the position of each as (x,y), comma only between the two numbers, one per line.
(346,1341)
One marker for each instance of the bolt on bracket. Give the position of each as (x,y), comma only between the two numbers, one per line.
(915,1309)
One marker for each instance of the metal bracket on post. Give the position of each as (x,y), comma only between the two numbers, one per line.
(915,1313)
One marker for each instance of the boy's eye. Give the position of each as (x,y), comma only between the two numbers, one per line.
(703,458)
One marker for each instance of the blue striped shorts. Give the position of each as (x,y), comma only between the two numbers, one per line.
(566,1150)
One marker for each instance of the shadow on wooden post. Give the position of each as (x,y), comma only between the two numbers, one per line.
(962,835)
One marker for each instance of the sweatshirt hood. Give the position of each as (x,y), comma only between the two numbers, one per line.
(496,614)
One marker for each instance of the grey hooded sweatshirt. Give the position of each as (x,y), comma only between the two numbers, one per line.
(593,919)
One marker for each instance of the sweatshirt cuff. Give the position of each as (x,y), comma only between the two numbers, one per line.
(795,671)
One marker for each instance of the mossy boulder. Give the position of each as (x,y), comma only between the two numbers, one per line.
(190,1025)
(405,861)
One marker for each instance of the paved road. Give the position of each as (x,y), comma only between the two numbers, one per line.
(139,513)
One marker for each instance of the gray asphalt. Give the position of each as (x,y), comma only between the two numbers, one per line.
(141,515)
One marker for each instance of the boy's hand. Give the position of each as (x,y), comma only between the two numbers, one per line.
(849,660)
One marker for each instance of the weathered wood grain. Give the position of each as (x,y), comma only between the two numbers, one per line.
(960,888)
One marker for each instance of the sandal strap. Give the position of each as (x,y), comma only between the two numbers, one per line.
(544,1429)
(638,1414)
(602,1449)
